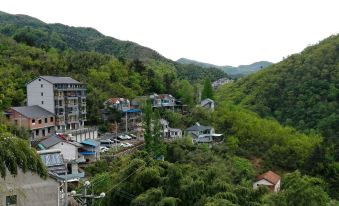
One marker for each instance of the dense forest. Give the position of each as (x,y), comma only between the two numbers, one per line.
(33,32)
(223,174)
(301,91)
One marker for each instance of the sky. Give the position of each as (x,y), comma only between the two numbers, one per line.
(221,32)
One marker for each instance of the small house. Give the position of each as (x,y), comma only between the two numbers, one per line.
(120,104)
(269,179)
(207,103)
(202,134)
(169,132)
(90,150)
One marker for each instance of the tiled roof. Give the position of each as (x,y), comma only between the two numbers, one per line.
(59,80)
(198,127)
(269,176)
(33,111)
(50,142)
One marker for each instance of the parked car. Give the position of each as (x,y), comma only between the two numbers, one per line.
(133,136)
(103,149)
(115,140)
(124,137)
(126,144)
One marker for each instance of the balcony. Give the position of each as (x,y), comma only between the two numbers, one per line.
(76,176)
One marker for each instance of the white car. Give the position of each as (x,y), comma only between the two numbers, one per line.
(103,149)
(124,137)
(126,144)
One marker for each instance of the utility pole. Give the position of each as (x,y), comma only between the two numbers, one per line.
(84,198)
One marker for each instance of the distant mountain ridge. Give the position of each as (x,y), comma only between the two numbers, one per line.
(241,70)
(36,33)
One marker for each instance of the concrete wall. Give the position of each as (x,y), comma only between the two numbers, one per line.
(31,190)
(34,97)
(68,151)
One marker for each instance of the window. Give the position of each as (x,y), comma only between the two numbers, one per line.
(16,122)
(11,200)
(42,86)
(42,94)
(46,120)
(42,102)
(51,119)
(33,121)
(40,121)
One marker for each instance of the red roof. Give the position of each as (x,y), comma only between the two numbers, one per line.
(269,176)
(114,100)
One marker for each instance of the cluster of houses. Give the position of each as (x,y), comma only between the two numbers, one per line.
(55,116)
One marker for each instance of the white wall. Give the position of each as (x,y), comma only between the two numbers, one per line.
(68,151)
(31,190)
(34,97)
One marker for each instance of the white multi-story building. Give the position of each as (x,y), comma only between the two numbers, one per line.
(63,96)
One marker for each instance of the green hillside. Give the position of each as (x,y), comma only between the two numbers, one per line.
(241,70)
(33,32)
(301,91)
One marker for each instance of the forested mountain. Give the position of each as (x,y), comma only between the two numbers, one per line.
(33,32)
(302,90)
(241,70)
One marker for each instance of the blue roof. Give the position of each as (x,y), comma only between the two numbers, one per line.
(90,142)
(87,153)
(133,111)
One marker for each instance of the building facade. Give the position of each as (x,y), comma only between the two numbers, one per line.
(63,96)
(37,120)
(28,189)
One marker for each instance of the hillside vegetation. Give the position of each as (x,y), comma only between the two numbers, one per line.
(33,32)
(301,91)
(234,72)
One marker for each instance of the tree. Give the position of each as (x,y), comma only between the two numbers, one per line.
(207,91)
(153,134)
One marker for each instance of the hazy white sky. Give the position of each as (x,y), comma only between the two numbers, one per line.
(223,32)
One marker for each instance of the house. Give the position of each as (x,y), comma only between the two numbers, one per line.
(36,119)
(169,132)
(28,189)
(120,104)
(69,152)
(62,96)
(90,150)
(269,179)
(162,100)
(202,134)
(207,103)
(216,84)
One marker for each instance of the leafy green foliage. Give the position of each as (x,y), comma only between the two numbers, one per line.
(15,153)
(298,190)
(301,91)
(280,147)
(207,91)
(33,32)
(201,178)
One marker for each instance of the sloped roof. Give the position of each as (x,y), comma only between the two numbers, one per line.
(198,127)
(269,176)
(206,101)
(33,111)
(59,80)
(90,142)
(50,142)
